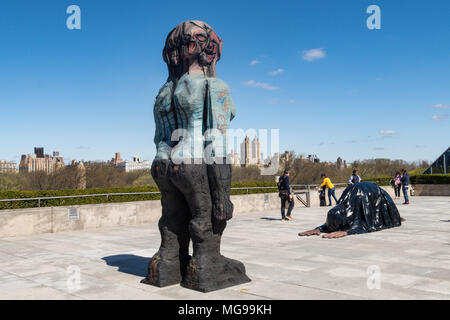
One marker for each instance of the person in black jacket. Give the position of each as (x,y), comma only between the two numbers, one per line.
(285,195)
(405,185)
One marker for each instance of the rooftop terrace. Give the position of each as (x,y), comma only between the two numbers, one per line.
(413,260)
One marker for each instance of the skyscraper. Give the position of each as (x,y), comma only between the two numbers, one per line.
(250,152)
(256,151)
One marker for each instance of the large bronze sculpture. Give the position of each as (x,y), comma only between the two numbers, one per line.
(192,113)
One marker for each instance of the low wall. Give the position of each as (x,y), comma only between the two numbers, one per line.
(432,190)
(24,222)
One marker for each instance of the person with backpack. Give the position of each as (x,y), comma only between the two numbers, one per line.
(286,196)
(396,184)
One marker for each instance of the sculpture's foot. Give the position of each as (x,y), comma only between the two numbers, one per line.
(214,273)
(163,273)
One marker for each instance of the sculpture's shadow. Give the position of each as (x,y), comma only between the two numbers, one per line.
(129,263)
(270,219)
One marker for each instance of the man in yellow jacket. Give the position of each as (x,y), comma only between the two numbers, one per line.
(331,189)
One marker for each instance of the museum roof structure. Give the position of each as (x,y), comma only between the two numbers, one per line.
(441,165)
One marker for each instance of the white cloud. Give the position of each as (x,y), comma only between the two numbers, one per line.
(388,132)
(440,117)
(313,54)
(278,71)
(263,85)
(254,62)
(441,106)
(292,101)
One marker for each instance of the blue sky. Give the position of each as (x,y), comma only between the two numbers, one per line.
(332,86)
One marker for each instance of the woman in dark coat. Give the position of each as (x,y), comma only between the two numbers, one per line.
(363,207)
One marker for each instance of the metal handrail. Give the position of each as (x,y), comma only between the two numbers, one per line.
(253,188)
(39,199)
(316,185)
(305,189)
(79,196)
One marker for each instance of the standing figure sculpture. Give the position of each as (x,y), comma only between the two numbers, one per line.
(192,113)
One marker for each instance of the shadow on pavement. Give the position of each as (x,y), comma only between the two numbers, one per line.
(270,219)
(129,263)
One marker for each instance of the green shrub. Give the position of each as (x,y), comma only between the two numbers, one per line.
(253,185)
(431,179)
(103,199)
(382,181)
(415,179)
(74,201)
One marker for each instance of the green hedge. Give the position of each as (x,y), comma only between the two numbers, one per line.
(382,181)
(74,201)
(103,199)
(254,185)
(416,179)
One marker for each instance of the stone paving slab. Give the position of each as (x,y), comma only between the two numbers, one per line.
(413,260)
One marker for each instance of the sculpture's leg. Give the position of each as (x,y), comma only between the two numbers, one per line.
(219,179)
(208,270)
(169,264)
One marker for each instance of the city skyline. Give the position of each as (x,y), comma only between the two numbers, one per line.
(331,85)
(239,156)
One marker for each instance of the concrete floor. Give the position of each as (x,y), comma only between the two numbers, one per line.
(410,262)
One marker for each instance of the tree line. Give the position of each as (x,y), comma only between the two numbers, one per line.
(92,175)
(303,171)
(103,175)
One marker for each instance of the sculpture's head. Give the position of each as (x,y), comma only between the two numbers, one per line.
(192,42)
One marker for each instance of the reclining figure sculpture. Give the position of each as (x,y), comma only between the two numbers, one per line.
(193,111)
(363,207)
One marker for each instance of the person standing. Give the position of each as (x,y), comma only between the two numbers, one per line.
(355,178)
(286,196)
(331,189)
(405,185)
(397,184)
